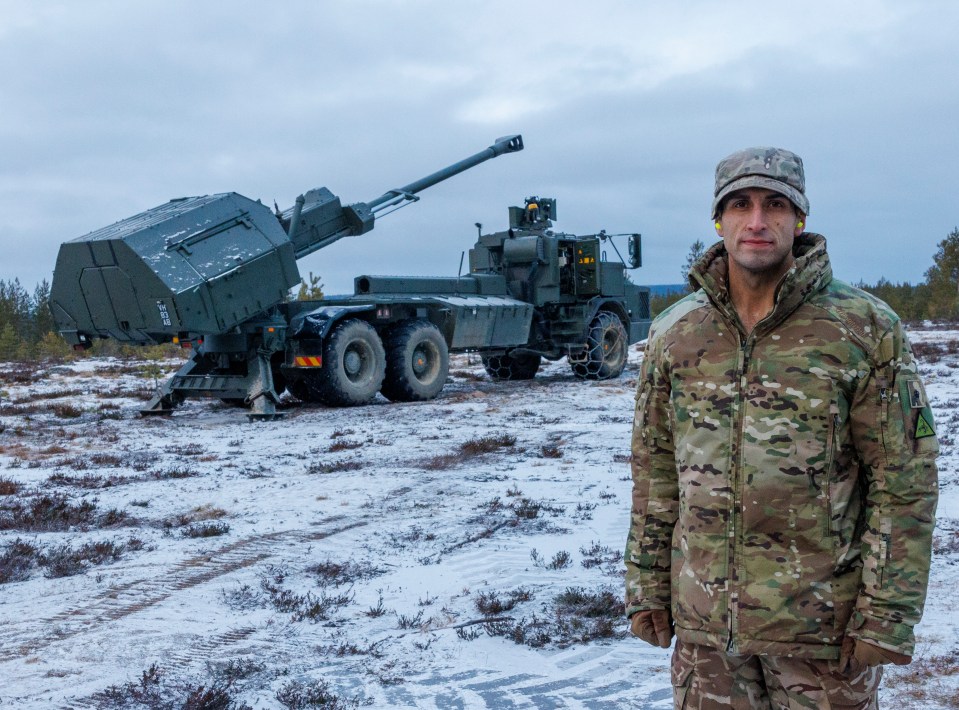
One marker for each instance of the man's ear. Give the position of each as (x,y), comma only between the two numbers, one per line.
(800,224)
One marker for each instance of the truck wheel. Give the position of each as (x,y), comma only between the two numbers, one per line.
(417,362)
(303,387)
(512,366)
(353,367)
(606,349)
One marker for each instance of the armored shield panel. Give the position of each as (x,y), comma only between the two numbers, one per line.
(198,265)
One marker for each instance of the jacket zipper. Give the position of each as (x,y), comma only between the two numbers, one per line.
(884,414)
(745,351)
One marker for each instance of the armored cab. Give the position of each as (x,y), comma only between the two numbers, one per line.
(586,307)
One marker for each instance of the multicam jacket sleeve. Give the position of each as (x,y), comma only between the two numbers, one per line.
(893,431)
(655,498)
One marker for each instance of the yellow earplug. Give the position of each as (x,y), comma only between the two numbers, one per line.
(718,225)
(799,225)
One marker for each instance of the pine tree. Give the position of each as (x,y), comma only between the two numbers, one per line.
(15,306)
(942,279)
(312,291)
(40,312)
(9,343)
(52,347)
(696,252)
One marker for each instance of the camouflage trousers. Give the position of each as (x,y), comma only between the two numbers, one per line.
(705,678)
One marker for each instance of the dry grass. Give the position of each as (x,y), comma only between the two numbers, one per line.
(89,481)
(154,691)
(597,555)
(491,604)
(19,375)
(66,561)
(201,513)
(550,451)
(19,558)
(931,352)
(945,541)
(46,513)
(174,472)
(352,463)
(8,487)
(926,682)
(201,530)
(344,445)
(298,695)
(469,450)
(330,573)
(301,607)
(577,616)
(52,394)
(16,561)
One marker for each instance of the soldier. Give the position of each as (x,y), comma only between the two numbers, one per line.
(784,476)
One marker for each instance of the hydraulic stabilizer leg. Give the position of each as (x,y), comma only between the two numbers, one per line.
(262,395)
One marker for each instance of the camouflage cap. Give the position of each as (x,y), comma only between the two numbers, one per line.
(771,168)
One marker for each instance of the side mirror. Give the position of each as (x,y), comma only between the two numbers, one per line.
(635,248)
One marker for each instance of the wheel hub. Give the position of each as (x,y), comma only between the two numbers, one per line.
(352,363)
(421,362)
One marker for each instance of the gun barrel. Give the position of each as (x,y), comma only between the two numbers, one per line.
(320,219)
(506,144)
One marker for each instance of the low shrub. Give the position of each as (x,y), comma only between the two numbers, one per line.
(490,603)
(66,561)
(468,450)
(47,513)
(16,561)
(8,487)
(298,695)
(200,530)
(578,616)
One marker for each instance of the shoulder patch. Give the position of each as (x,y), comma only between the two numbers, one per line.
(923,427)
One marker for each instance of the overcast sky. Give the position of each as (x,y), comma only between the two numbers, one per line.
(110,108)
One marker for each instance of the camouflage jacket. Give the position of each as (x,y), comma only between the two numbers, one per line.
(784,481)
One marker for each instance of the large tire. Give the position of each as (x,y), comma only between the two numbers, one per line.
(354,364)
(606,348)
(417,362)
(511,366)
(303,387)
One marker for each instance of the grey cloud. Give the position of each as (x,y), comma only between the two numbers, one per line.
(112,108)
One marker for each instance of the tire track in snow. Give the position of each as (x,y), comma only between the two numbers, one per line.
(132,597)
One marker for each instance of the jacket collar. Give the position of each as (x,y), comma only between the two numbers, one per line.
(810,273)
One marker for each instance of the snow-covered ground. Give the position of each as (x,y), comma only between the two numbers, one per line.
(348,556)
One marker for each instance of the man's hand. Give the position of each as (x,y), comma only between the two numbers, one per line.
(653,626)
(867,654)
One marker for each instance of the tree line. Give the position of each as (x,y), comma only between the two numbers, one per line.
(935,298)
(27,330)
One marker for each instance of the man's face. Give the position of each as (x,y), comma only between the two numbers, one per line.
(758,227)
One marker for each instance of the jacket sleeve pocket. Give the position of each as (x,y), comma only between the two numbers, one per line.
(918,425)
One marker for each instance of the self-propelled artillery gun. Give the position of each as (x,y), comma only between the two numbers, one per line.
(214,273)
